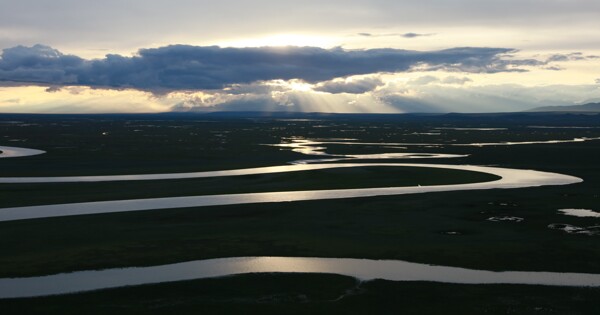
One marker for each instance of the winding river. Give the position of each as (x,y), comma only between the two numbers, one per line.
(362,269)
(510,178)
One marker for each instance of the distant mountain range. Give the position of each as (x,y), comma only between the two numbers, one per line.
(590,107)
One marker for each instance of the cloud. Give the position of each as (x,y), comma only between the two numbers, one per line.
(39,64)
(408,104)
(483,98)
(435,97)
(246,102)
(501,62)
(413,35)
(183,67)
(424,80)
(565,57)
(456,80)
(598,81)
(12,100)
(429,79)
(554,68)
(84,27)
(52,89)
(354,86)
(405,35)
(574,56)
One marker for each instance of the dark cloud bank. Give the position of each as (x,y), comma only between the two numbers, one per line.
(181,67)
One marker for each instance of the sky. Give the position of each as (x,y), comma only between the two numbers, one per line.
(375,56)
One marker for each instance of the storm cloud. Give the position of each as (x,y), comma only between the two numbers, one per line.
(184,67)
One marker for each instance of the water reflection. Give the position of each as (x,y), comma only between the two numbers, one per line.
(574,140)
(314,148)
(472,129)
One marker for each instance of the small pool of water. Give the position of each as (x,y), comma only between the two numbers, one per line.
(582,213)
(12,152)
